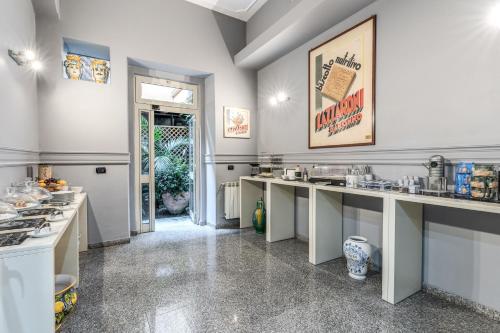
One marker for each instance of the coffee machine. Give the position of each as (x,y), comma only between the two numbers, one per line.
(436,182)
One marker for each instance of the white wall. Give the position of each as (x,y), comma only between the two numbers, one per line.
(18,94)
(18,107)
(445,65)
(94,118)
(437,73)
(107,193)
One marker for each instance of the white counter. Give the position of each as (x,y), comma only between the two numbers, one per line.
(27,272)
(402,226)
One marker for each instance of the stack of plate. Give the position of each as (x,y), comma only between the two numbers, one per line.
(63,196)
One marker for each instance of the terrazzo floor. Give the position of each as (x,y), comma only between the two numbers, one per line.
(187,278)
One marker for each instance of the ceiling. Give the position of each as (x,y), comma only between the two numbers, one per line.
(240,9)
(302,23)
(47,8)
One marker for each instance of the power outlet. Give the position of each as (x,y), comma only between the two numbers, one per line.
(230,167)
(100,170)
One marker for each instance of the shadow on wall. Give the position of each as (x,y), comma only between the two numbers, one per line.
(232,31)
(93,234)
(465,219)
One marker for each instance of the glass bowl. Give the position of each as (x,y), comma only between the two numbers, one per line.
(33,189)
(20,200)
(7,212)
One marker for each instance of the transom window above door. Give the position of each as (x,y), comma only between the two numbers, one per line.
(165,92)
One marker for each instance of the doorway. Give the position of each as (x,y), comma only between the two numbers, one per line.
(167,153)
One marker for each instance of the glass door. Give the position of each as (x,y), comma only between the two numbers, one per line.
(168,97)
(192,168)
(146,189)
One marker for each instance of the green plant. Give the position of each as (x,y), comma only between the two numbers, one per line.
(174,179)
(171,168)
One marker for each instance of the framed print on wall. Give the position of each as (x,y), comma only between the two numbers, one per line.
(236,123)
(84,61)
(342,89)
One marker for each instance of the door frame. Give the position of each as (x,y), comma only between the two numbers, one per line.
(141,107)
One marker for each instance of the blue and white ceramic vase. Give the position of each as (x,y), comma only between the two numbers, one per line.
(358,253)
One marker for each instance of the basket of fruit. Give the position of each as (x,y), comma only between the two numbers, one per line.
(53,184)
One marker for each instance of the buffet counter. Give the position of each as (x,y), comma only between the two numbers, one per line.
(27,271)
(402,227)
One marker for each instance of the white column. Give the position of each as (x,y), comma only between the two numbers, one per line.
(326,233)
(402,250)
(82,225)
(280,212)
(311,225)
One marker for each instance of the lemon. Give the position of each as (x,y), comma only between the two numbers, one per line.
(59,307)
(74,298)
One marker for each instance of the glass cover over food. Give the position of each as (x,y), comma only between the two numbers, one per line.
(31,188)
(7,212)
(20,200)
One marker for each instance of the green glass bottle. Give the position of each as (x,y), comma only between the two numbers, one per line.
(259,217)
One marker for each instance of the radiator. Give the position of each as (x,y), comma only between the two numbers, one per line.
(231,200)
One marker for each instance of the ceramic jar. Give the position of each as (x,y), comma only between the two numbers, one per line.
(259,217)
(65,297)
(358,252)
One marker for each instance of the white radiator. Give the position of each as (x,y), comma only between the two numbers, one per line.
(231,200)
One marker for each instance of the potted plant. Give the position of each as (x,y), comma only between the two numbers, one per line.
(172,176)
(172,185)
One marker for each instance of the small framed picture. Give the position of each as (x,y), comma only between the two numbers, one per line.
(236,123)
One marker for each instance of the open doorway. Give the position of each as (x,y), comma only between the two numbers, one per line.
(167,153)
(174,175)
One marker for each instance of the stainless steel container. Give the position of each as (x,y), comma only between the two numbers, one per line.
(435,166)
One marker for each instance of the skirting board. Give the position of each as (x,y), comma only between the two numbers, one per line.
(228,224)
(459,300)
(109,243)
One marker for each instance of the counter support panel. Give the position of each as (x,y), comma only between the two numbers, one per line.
(326,235)
(280,212)
(403,250)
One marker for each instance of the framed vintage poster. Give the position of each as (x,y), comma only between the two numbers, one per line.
(342,89)
(236,123)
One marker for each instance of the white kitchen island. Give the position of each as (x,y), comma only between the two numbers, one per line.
(27,272)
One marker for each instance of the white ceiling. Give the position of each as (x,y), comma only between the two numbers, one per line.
(47,8)
(302,23)
(240,9)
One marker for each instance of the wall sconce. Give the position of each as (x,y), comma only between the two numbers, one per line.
(26,58)
(279,98)
(494,16)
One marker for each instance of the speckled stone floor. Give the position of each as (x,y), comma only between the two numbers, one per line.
(187,278)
